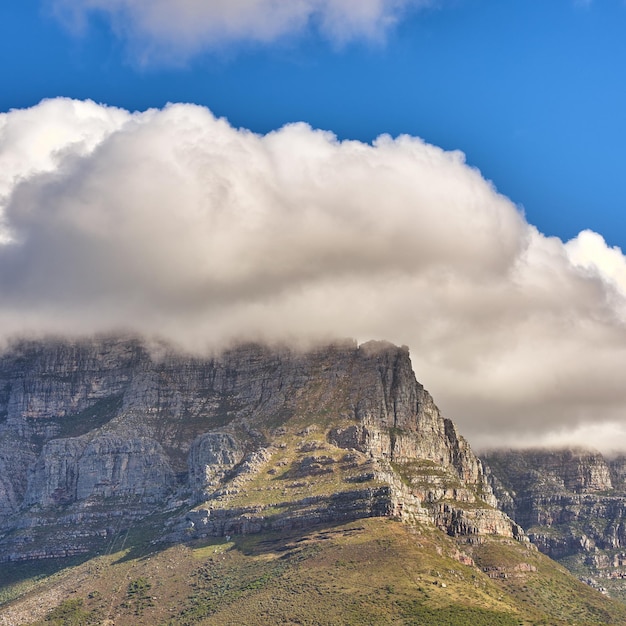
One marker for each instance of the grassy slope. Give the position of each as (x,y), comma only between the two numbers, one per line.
(374,571)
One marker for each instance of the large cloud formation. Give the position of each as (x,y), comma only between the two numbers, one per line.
(180,28)
(172,223)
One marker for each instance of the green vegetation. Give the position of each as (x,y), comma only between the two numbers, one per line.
(551,588)
(373,571)
(69,613)
(18,579)
(97,415)
(417,614)
(137,595)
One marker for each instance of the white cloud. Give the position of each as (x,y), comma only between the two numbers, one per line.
(171,222)
(36,140)
(590,252)
(180,28)
(605,436)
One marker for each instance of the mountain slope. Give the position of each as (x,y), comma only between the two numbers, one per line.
(260,484)
(101,434)
(371,571)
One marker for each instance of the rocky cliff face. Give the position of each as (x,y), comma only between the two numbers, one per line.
(572,503)
(96,435)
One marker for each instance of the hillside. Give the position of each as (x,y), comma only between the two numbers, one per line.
(372,571)
(260,486)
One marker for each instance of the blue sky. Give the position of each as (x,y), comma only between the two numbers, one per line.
(533,92)
(119,213)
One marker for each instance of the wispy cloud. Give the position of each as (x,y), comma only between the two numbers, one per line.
(178,29)
(171,222)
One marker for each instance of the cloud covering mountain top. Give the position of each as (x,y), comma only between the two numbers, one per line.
(173,223)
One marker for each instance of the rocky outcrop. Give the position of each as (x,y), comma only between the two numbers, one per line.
(210,457)
(572,503)
(469,522)
(109,431)
(332,508)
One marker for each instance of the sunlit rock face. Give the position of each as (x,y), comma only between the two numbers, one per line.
(96,435)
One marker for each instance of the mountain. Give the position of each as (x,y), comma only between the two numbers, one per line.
(133,474)
(572,502)
(95,432)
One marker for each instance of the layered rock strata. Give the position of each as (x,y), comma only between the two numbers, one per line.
(571,502)
(98,435)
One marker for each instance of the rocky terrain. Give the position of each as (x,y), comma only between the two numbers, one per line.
(97,435)
(139,485)
(572,504)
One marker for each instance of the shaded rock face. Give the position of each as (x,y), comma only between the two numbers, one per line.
(551,487)
(572,503)
(102,430)
(71,470)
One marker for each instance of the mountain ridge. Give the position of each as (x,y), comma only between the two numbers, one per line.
(114,457)
(106,421)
